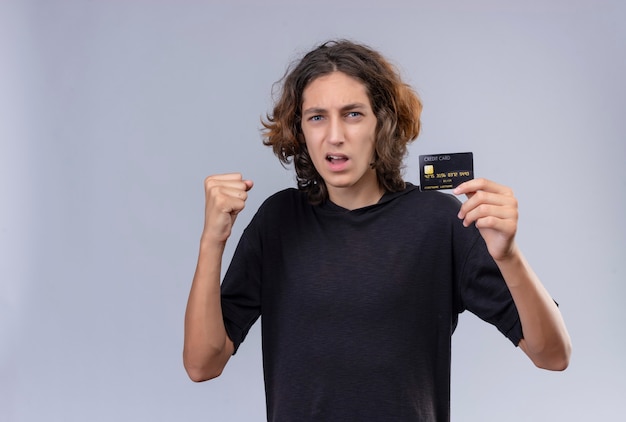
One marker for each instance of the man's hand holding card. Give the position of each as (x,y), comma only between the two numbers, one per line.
(491,206)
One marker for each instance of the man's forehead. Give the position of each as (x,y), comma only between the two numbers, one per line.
(336,89)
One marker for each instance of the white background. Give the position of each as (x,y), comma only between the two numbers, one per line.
(113,112)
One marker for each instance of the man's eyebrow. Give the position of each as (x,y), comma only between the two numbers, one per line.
(353,106)
(321,110)
(314,110)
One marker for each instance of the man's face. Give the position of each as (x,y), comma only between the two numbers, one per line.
(339,128)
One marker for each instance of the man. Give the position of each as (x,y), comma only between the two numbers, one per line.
(359,276)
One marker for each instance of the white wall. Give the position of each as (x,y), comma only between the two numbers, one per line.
(112,113)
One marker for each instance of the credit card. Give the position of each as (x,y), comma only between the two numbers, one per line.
(445,171)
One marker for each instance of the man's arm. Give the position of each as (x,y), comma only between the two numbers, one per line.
(207,347)
(546,340)
(493,208)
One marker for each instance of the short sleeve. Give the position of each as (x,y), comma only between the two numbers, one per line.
(241,289)
(485,293)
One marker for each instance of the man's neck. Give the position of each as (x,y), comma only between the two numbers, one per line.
(352,199)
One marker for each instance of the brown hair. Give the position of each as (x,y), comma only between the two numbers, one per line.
(396,106)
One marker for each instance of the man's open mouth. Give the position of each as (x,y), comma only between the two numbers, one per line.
(336,158)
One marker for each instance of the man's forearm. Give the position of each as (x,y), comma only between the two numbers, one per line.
(206,346)
(546,340)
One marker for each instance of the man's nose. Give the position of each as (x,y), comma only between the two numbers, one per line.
(335,131)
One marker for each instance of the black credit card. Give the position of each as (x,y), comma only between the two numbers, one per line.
(445,171)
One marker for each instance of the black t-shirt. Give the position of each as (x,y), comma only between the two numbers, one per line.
(358,307)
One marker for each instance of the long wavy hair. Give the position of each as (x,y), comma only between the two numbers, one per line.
(395,104)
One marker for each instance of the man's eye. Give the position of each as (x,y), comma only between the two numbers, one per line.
(354,114)
(315,118)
